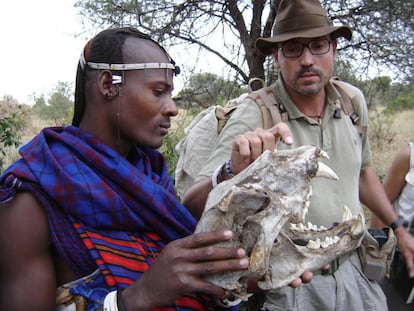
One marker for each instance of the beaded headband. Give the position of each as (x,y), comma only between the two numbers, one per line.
(122,67)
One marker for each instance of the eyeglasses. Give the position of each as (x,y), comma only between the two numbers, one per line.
(293,49)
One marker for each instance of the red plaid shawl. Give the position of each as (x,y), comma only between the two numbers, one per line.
(123,210)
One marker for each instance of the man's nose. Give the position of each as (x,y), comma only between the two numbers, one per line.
(307,58)
(170,107)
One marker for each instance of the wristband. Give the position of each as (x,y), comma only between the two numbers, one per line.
(398,223)
(110,303)
(217,174)
(228,302)
(228,169)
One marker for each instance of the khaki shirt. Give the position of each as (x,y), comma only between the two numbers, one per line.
(348,150)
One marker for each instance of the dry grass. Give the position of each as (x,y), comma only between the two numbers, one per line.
(396,132)
(387,135)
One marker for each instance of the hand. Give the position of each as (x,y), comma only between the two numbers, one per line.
(306,277)
(249,146)
(179,269)
(406,247)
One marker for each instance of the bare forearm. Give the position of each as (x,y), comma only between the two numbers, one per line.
(196,196)
(373,196)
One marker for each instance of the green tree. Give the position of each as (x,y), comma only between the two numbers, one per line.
(11,122)
(59,108)
(207,89)
(228,29)
(39,106)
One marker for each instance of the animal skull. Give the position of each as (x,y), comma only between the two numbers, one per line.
(265,206)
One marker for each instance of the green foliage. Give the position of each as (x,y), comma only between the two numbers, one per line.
(59,107)
(40,105)
(402,102)
(380,129)
(382,30)
(10,125)
(207,89)
(168,148)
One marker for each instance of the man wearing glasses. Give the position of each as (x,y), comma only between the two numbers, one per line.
(304,46)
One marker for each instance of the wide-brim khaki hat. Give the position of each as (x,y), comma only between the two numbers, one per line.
(301,19)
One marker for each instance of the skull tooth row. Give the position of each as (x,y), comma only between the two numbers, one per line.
(347,215)
(322,244)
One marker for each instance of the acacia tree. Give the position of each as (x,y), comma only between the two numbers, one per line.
(206,89)
(228,29)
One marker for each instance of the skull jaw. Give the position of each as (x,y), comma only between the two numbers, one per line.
(256,204)
(289,260)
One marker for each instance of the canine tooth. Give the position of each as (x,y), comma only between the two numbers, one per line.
(314,244)
(358,226)
(324,154)
(347,214)
(325,171)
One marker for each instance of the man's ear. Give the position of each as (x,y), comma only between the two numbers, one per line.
(106,87)
(276,56)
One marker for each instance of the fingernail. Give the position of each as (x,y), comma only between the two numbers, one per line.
(244,262)
(228,233)
(241,252)
(289,140)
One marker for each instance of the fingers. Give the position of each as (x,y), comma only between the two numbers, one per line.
(252,144)
(205,238)
(326,267)
(410,266)
(249,146)
(306,277)
(281,131)
(202,247)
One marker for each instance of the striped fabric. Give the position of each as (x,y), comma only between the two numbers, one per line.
(115,205)
(132,257)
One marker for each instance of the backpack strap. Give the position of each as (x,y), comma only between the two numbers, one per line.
(347,103)
(223,114)
(272,110)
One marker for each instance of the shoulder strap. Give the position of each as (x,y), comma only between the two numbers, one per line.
(223,114)
(272,110)
(347,103)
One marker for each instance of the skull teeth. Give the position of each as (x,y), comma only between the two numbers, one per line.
(317,244)
(347,214)
(325,171)
(308,227)
(324,154)
(358,227)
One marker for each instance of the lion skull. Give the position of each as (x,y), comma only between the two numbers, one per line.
(265,206)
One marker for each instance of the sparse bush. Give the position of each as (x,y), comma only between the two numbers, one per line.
(403,102)
(10,126)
